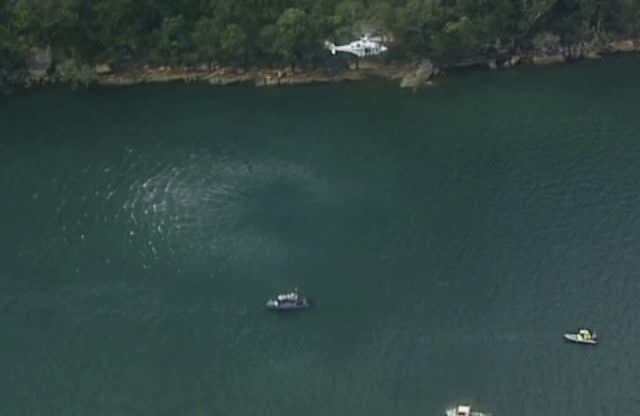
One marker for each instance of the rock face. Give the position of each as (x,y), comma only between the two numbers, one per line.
(511,62)
(267,80)
(103,69)
(623,46)
(228,76)
(39,62)
(548,59)
(419,77)
(39,68)
(574,51)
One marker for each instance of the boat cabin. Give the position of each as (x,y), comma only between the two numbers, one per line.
(288,297)
(587,334)
(463,411)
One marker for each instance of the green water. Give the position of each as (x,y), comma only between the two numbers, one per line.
(447,238)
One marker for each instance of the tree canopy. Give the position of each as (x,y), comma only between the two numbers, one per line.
(293,31)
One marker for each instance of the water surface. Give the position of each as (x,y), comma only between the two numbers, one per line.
(448,238)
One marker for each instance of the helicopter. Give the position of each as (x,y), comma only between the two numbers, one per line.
(365,46)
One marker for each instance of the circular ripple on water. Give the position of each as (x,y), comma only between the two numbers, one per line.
(207,206)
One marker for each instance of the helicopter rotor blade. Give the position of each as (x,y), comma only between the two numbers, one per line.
(372,37)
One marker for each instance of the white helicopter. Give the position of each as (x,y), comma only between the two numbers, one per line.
(365,46)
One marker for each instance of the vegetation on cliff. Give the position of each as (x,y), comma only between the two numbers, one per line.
(249,32)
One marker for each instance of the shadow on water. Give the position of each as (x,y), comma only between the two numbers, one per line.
(290,315)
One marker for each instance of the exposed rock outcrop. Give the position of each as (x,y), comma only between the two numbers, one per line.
(548,59)
(103,69)
(39,62)
(419,77)
(39,68)
(511,62)
(627,45)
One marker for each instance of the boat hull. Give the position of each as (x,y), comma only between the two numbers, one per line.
(578,340)
(454,412)
(285,306)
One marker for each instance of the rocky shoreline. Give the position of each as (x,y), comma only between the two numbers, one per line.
(40,70)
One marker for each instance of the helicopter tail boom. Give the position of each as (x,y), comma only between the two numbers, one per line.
(331,46)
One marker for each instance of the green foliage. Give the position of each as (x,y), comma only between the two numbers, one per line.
(293,34)
(545,40)
(76,73)
(279,31)
(206,37)
(232,41)
(170,41)
(458,37)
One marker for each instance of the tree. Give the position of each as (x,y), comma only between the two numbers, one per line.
(232,41)
(457,39)
(266,41)
(170,40)
(77,73)
(13,49)
(206,37)
(293,35)
(267,31)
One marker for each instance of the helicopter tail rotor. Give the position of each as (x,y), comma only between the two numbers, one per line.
(331,46)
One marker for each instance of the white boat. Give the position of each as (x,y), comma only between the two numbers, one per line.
(464,410)
(583,336)
(288,301)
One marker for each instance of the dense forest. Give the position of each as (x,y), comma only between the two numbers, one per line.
(249,32)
